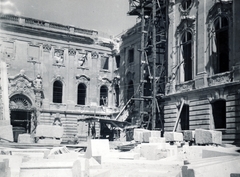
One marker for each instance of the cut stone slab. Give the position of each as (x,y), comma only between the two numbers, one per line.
(6,132)
(173,136)
(138,134)
(96,148)
(157,140)
(188,135)
(147,134)
(208,137)
(49,131)
(25,138)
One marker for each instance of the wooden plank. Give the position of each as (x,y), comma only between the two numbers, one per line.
(199,126)
(170,107)
(232,114)
(232,97)
(233,120)
(233,103)
(178,116)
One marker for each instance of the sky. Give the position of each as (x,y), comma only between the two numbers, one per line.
(108,16)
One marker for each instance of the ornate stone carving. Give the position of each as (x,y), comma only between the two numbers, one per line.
(82,58)
(219,79)
(47,47)
(186,86)
(38,82)
(185,6)
(71,52)
(185,24)
(82,79)
(21,83)
(95,55)
(58,57)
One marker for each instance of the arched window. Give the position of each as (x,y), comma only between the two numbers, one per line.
(117,92)
(130,89)
(220,46)
(81,96)
(186,57)
(219,113)
(103,96)
(57,92)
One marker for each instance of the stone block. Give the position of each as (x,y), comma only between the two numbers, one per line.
(138,134)
(157,140)
(49,141)
(97,147)
(25,138)
(173,136)
(6,132)
(129,156)
(153,151)
(49,131)
(208,136)
(188,135)
(147,134)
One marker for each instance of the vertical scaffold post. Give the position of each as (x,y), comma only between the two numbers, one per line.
(142,61)
(154,65)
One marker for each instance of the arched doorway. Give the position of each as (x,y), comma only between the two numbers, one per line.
(21,115)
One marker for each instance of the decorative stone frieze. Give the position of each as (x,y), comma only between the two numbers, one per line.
(58,58)
(186,86)
(95,55)
(220,78)
(71,52)
(47,47)
(82,79)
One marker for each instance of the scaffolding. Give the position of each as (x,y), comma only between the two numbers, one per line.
(154,27)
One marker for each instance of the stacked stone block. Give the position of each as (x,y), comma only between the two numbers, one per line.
(203,137)
(173,136)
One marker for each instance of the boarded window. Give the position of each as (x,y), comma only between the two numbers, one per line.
(219,113)
(57,92)
(81,97)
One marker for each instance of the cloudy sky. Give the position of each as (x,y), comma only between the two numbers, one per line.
(109,16)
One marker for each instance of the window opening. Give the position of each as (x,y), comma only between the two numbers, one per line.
(103,96)
(221,45)
(219,113)
(117,92)
(184,117)
(186,52)
(81,94)
(57,92)
(130,55)
(130,90)
(104,63)
(117,58)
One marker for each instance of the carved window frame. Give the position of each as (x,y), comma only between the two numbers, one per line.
(186,25)
(82,79)
(219,10)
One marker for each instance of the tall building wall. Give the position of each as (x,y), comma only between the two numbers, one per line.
(39,53)
(210,93)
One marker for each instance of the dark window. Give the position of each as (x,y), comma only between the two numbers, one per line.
(186,44)
(219,113)
(57,92)
(184,117)
(186,4)
(104,63)
(221,45)
(147,87)
(130,55)
(117,61)
(130,90)
(103,96)
(81,97)
(117,92)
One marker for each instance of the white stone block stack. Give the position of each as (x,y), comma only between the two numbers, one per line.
(188,135)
